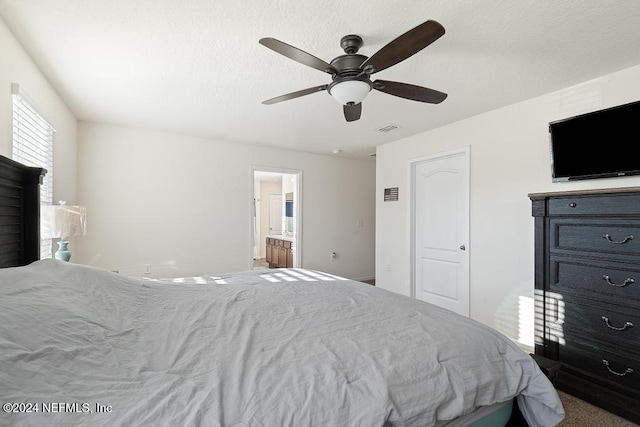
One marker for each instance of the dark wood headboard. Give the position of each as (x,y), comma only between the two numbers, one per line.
(19,213)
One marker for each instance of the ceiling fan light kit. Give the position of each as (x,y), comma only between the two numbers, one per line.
(349,92)
(351,73)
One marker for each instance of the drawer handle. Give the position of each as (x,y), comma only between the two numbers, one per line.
(572,205)
(626,281)
(625,327)
(626,371)
(621,242)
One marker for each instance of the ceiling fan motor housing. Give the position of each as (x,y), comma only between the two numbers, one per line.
(349,70)
(348,65)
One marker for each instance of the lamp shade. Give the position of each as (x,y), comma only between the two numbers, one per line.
(350,91)
(62,221)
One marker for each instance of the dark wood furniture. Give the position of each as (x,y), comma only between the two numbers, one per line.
(279,253)
(587,289)
(19,213)
(549,367)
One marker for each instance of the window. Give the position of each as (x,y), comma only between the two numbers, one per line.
(33,146)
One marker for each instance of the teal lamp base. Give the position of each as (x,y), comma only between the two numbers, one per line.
(63,253)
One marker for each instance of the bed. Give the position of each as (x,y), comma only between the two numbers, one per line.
(285,347)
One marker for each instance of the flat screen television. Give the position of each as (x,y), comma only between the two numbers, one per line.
(596,145)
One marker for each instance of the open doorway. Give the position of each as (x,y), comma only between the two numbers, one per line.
(276,218)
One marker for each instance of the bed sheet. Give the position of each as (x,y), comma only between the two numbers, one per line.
(287,347)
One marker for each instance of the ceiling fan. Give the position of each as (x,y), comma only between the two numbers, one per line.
(351,73)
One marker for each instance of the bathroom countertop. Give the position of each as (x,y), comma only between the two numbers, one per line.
(282,237)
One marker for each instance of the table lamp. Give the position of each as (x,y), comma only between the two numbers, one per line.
(62,221)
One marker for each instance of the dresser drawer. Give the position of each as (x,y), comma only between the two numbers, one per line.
(603,238)
(601,205)
(595,279)
(608,365)
(600,324)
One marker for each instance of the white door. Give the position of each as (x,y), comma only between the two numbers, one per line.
(275,214)
(440,230)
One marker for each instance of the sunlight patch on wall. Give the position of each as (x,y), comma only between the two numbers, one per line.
(579,99)
(526,319)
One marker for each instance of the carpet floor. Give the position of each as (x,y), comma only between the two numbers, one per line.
(579,413)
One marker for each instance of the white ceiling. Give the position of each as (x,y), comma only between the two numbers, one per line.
(195,67)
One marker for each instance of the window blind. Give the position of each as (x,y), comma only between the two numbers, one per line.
(33,146)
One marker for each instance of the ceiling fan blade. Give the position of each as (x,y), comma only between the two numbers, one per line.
(413,92)
(352,112)
(408,44)
(298,55)
(296,94)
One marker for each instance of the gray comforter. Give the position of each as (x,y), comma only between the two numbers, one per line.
(84,346)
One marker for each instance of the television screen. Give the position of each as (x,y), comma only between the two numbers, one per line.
(596,145)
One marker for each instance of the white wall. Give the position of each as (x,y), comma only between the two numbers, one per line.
(17,67)
(509,159)
(183,204)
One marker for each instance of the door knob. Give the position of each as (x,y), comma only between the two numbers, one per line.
(463,248)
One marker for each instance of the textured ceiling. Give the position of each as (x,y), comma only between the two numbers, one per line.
(195,67)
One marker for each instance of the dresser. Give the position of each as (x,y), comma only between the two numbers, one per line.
(587,293)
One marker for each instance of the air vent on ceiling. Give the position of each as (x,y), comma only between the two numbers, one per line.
(388,128)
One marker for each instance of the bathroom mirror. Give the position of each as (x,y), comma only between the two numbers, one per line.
(288,209)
